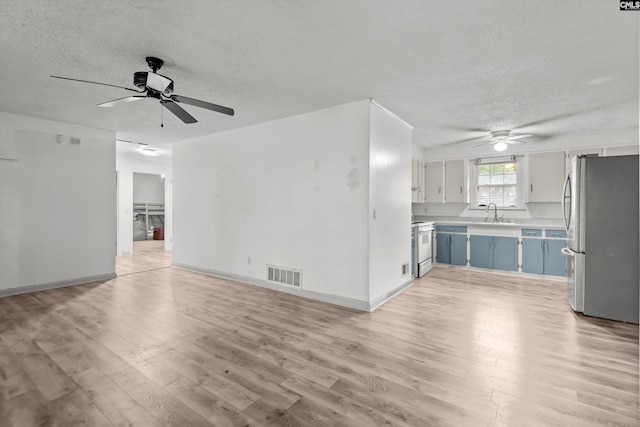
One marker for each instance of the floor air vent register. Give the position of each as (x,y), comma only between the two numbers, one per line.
(284,276)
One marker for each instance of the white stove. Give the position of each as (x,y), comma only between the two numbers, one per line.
(423,236)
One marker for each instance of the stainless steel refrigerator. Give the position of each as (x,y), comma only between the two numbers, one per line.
(600,209)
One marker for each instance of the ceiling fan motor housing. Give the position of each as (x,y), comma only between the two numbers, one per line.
(158,82)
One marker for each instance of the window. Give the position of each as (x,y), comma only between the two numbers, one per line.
(497,183)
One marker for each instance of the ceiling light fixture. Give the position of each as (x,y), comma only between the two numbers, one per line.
(148,151)
(500,146)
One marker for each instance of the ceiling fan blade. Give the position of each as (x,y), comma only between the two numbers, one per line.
(203,104)
(95,83)
(518,136)
(180,112)
(464,129)
(515,142)
(462,141)
(483,144)
(560,117)
(122,100)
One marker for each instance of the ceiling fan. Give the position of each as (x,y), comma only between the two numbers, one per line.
(501,139)
(153,85)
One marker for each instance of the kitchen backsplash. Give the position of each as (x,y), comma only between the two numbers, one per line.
(462,212)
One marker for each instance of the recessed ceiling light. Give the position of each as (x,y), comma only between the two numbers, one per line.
(599,80)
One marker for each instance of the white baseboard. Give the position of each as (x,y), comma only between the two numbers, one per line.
(331,299)
(54,285)
(386,297)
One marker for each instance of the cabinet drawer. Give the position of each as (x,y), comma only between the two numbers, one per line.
(451,228)
(558,234)
(532,232)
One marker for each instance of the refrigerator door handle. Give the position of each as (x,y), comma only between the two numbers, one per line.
(567,219)
(567,252)
(570,252)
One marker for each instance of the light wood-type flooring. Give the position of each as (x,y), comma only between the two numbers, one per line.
(170,347)
(147,255)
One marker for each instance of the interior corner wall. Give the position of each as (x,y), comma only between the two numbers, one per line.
(290,193)
(390,205)
(126,165)
(57,204)
(417,152)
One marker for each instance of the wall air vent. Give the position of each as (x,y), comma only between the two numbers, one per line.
(284,276)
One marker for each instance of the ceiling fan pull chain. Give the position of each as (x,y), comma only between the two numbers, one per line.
(161,116)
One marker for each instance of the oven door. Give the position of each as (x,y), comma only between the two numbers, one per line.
(424,246)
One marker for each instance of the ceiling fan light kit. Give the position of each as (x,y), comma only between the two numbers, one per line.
(154,85)
(500,146)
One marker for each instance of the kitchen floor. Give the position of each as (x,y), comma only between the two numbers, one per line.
(171,347)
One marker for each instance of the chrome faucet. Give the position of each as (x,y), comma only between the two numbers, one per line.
(495,211)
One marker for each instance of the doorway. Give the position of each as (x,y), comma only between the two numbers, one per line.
(148,207)
(144,221)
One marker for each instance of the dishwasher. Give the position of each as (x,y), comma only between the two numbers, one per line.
(424,248)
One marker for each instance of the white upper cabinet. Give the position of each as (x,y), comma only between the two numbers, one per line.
(417,181)
(434,185)
(454,181)
(623,151)
(546,176)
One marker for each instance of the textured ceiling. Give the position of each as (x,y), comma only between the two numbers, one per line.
(452,69)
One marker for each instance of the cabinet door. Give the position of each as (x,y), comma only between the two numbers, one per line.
(546,176)
(454,181)
(416,186)
(554,262)
(443,246)
(459,249)
(533,256)
(421,182)
(433,182)
(505,253)
(481,254)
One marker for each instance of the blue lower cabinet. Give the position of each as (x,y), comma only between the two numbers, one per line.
(533,256)
(443,248)
(481,252)
(554,262)
(543,256)
(451,248)
(505,253)
(459,249)
(499,253)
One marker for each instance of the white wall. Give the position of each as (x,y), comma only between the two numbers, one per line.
(148,188)
(57,204)
(417,152)
(126,165)
(292,193)
(390,198)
